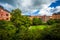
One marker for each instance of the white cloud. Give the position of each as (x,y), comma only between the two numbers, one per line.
(46,10)
(26,3)
(32,5)
(7,6)
(57,9)
(49,10)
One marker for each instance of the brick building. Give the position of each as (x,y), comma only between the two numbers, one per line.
(31,17)
(56,15)
(4,14)
(44,17)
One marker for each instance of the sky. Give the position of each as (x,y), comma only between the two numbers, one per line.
(33,7)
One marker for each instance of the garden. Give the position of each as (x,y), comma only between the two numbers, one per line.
(22,28)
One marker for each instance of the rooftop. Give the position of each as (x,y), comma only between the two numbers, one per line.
(57,13)
(3,8)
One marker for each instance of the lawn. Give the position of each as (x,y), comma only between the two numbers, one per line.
(41,27)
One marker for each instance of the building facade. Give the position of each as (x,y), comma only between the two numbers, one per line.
(4,14)
(44,18)
(56,15)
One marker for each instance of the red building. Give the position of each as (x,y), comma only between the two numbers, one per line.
(4,14)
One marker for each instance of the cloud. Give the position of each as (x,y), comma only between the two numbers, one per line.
(49,10)
(46,11)
(32,7)
(57,9)
(28,6)
(7,6)
(33,3)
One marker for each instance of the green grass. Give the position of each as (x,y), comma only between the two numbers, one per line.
(41,27)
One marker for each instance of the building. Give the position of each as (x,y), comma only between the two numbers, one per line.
(56,15)
(4,14)
(44,18)
(31,17)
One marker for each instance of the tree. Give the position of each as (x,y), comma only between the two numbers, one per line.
(57,20)
(37,21)
(55,31)
(7,30)
(51,21)
(19,19)
(21,23)
(52,33)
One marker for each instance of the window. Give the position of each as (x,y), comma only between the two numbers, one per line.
(1,14)
(7,18)
(6,14)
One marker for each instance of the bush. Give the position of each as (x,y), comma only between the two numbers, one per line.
(53,33)
(7,30)
(51,22)
(57,20)
(37,21)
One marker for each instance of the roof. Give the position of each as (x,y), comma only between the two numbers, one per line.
(3,8)
(57,13)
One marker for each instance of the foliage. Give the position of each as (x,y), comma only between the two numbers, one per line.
(16,28)
(37,21)
(19,28)
(57,20)
(7,30)
(21,23)
(51,22)
(52,33)
(18,19)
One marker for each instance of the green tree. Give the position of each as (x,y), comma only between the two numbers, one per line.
(22,23)
(7,30)
(37,21)
(19,19)
(51,33)
(51,22)
(57,20)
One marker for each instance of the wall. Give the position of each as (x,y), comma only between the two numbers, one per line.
(4,15)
